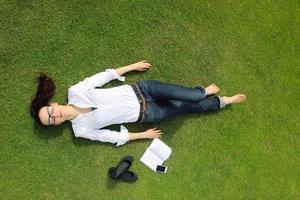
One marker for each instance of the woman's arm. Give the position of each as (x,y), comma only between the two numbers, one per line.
(139,66)
(148,134)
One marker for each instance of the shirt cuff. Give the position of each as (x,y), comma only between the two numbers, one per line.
(123,136)
(115,75)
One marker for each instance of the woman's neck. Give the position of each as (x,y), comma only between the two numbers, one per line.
(74,111)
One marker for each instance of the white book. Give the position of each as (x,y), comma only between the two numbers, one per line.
(156,154)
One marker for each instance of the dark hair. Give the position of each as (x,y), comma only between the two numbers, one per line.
(44,93)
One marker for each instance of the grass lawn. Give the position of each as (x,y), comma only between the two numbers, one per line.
(247,151)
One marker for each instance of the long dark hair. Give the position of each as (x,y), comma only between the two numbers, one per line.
(44,93)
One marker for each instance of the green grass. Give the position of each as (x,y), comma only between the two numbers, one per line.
(247,151)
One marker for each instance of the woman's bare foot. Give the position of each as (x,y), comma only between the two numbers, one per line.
(238,98)
(212,89)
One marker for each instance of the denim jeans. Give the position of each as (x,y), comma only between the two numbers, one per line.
(164,100)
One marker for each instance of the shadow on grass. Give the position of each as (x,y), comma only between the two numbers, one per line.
(113,183)
(208,114)
(110,184)
(49,132)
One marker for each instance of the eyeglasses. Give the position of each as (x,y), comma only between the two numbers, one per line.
(51,119)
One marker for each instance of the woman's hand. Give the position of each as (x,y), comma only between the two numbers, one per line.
(152,133)
(141,66)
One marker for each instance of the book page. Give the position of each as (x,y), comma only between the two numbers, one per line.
(160,149)
(151,160)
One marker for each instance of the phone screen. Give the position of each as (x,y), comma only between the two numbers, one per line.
(160,168)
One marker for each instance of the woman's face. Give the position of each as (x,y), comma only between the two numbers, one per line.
(52,115)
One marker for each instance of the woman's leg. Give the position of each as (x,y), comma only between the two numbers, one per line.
(160,111)
(157,90)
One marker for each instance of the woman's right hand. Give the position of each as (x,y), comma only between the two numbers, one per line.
(152,133)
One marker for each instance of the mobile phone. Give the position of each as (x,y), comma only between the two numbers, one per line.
(161,168)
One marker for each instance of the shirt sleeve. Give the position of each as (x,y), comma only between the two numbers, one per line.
(106,135)
(99,79)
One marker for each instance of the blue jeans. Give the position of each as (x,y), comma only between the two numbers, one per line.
(164,100)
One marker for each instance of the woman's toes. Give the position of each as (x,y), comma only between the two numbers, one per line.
(238,98)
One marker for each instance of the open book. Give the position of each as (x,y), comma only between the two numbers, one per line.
(156,154)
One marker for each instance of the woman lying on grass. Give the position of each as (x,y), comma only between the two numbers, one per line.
(91,108)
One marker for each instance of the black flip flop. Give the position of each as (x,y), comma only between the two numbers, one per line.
(127,176)
(122,167)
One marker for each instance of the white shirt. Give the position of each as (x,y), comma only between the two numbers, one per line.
(114,106)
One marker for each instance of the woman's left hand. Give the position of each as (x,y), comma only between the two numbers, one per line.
(141,66)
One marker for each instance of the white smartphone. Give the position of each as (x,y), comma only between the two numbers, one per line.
(161,168)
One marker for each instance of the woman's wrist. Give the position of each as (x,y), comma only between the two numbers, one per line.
(123,70)
(131,67)
(148,134)
(135,136)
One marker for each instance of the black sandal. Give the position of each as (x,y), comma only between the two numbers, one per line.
(127,176)
(122,167)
